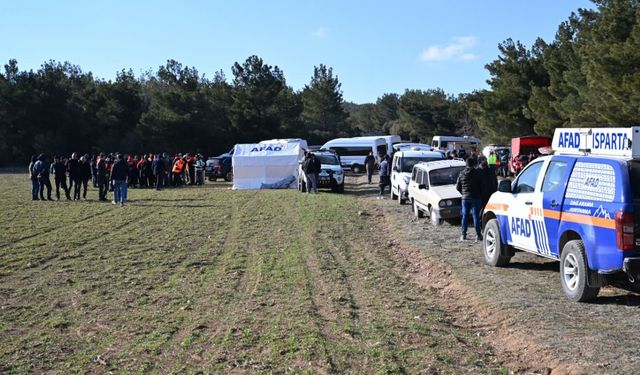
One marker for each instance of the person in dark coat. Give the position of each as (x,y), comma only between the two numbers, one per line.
(489,183)
(94,170)
(159,171)
(102,177)
(119,175)
(42,169)
(59,171)
(34,178)
(469,185)
(383,172)
(84,175)
(73,167)
(369,165)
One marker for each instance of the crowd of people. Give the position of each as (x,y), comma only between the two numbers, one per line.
(112,173)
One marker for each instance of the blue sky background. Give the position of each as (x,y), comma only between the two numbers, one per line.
(374,47)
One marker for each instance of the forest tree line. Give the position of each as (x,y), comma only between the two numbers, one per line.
(589,75)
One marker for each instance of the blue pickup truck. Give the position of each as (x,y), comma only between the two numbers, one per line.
(580,205)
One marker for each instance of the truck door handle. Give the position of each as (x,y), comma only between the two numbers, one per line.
(529,203)
(554,203)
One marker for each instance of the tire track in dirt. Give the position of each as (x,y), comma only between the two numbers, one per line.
(232,278)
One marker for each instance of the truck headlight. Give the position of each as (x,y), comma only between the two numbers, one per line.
(442,203)
(449,202)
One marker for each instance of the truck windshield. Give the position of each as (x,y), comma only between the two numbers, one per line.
(406,164)
(444,176)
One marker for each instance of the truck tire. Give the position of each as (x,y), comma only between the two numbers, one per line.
(229,176)
(574,272)
(416,211)
(356,168)
(492,245)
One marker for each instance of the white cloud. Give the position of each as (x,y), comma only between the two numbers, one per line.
(458,49)
(320,33)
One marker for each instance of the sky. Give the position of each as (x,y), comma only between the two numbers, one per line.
(374,47)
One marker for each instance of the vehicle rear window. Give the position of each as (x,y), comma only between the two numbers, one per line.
(444,176)
(408,163)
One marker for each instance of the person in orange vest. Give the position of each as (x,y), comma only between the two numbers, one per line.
(178,167)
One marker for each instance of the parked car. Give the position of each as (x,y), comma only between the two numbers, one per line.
(402,166)
(524,150)
(219,167)
(432,190)
(331,175)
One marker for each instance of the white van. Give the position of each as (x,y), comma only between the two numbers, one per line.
(353,151)
(450,143)
(389,139)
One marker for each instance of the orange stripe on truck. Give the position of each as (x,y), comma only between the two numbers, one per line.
(497,207)
(581,219)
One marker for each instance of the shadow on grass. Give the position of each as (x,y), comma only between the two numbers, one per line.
(548,266)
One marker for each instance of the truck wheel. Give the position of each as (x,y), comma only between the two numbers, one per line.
(416,211)
(493,246)
(356,168)
(573,273)
(434,221)
(229,176)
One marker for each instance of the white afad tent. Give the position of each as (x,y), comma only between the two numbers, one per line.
(266,165)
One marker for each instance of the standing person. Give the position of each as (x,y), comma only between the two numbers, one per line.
(148,171)
(41,168)
(199,170)
(34,178)
(492,160)
(489,183)
(102,177)
(142,176)
(132,169)
(469,185)
(309,176)
(177,170)
(158,171)
(119,175)
(73,167)
(504,164)
(191,161)
(384,175)
(59,171)
(369,165)
(94,170)
(84,173)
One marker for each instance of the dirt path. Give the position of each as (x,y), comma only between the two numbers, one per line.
(519,310)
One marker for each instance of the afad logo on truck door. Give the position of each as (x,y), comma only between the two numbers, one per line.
(533,225)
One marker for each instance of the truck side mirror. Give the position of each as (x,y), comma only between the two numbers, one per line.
(504,186)
(422,187)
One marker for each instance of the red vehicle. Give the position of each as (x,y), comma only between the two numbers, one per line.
(525,149)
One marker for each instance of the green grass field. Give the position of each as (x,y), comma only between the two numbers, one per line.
(214,280)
